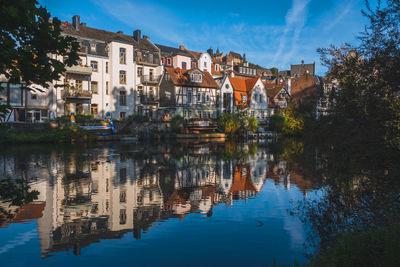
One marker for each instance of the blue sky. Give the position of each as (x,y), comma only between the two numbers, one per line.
(271,33)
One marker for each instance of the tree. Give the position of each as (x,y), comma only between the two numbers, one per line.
(252,124)
(368,102)
(29,39)
(275,72)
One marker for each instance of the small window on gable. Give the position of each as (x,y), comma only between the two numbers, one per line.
(193,65)
(216,67)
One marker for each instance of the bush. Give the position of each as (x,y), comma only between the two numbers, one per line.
(365,248)
(176,123)
(277,122)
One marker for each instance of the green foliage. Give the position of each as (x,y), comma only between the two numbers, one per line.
(252,124)
(28,36)
(275,72)
(367,103)
(277,122)
(363,248)
(294,120)
(16,192)
(230,123)
(66,134)
(4,110)
(176,123)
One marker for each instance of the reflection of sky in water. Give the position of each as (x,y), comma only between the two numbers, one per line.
(206,225)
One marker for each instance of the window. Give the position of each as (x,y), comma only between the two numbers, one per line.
(45,113)
(163,60)
(122,171)
(198,97)
(184,65)
(193,65)
(94,109)
(139,71)
(122,98)
(122,56)
(95,88)
(122,216)
(107,88)
(168,61)
(122,197)
(78,84)
(122,77)
(244,98)
(33,96)
(216,67)
(106,67)
(204,97)
(122,115)
(94,65)
(189,97)
(208,98)
(205,64)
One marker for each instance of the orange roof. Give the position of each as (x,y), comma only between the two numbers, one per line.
(242,182)
(181,77)
(213,71)
(243,87)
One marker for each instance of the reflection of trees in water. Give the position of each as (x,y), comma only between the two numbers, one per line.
(13,195)
(361,189)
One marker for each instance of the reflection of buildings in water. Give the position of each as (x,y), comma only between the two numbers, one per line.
(280,173)
(102,195)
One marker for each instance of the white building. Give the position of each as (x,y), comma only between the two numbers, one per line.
(116,72)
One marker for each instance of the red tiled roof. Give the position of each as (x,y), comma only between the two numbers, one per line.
(273,89)
(193,53)
(181,77)
(213,71)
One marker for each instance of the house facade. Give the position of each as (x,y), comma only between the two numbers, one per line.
(251,95)
(115,73)
(191,94)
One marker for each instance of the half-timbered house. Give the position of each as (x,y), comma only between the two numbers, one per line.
(191,94)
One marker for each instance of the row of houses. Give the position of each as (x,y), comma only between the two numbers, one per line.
(128,74)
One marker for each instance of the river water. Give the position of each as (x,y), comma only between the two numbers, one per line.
(186,204)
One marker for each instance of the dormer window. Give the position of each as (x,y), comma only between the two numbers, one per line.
(193,65)
(196,78)
(93,47)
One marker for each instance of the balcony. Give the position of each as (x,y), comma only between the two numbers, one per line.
(148,99)
(73,93)
(77,69)
(150,79)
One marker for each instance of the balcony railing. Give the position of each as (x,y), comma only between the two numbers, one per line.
(148,99)
(76,93)
(77,69)
(153,79)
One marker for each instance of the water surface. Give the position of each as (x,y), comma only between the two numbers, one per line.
(153,205)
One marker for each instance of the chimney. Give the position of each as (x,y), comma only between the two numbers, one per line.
(137,35)
(76,22)
(181,47)
(146,37)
